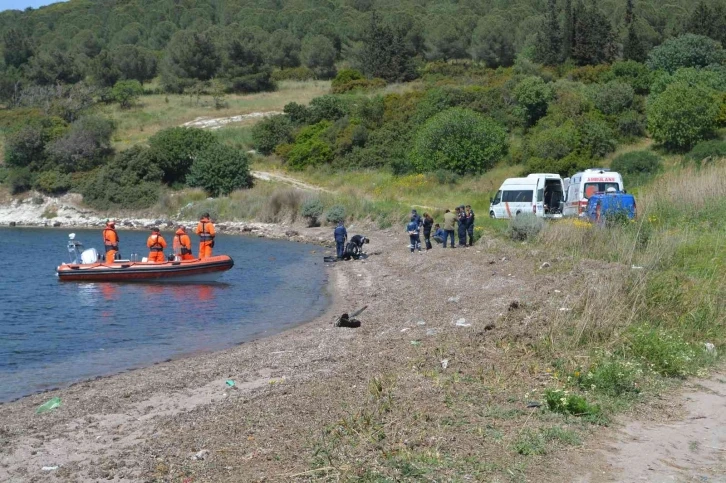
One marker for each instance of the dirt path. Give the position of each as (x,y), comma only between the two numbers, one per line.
(689,447)
(219,122)
(285,179)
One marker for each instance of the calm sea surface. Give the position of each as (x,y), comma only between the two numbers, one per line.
(53,333)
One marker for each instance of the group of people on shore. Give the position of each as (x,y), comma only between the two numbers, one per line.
(182,244)
(461,221)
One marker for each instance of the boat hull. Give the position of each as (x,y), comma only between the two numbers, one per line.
(191,271)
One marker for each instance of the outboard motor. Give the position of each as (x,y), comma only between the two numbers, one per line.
(77,254)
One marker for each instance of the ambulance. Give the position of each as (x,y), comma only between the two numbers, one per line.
(581,186)
(539,193)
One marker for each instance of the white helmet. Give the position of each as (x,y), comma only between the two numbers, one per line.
(611,190)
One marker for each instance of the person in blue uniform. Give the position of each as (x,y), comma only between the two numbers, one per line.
(341,236)
(413,234)
(461,225)
(470,224)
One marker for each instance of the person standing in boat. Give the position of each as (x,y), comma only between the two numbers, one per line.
(183,244)
(156,244)
(110,241)
(205,230)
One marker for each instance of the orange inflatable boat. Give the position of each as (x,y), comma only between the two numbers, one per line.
(86,266)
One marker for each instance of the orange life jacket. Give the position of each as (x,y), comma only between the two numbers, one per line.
(182,243)
(205,230)
(156,243)
(110,239)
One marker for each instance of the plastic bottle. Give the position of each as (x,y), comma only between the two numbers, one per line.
(49,405)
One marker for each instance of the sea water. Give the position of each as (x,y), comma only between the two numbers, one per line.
(54,333)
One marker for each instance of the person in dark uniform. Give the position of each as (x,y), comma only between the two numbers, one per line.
(461,220)
(341,236)
(470,224)
(416,217)
(428,223)
(413,235)
(354,248)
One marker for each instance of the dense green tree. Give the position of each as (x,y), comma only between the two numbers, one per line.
(270,132)
(459,140)
(633,48)
(687,50)
(161,34)
(568,30)
(220,170)
(134,62)
(190,56)
(86,145)
(594,38)
(385,52)
(612,98)
(682,115)
(127,92)
(533,96)
(318,53)
(282,49)
(103,69)
(17,47)
(175,149)
(493,42)
(548,49)
(446,39)
(87,43)
(707,21)
(53,66)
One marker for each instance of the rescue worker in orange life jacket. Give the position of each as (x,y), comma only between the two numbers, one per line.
(183,244)
(110,241)
(205,230)
(156,244)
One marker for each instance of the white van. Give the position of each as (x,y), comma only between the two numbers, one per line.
(582,185)
(538,193)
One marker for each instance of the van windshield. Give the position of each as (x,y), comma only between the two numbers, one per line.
(592,188)
(497,198)
(517,196)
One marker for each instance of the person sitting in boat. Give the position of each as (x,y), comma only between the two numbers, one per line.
(156,244)
(110,241)
(183,244)
(206,232)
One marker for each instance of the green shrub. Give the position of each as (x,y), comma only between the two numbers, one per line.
(564,402)
(362,85)
(250,83)
(637,162)
(270,132)
(595,138)
(19,180)
(552,143)
(175,149)
(131,180)
(682,116)
(631,124)
(323,108)
(127,92)
(707,150)
(86,145)
(220,170)
(25,142)
(310,147)
(589,74)
(301,73)
(52,182)
(610,376)
(459,140)
(666,353)
(525,227)
(345,76)
(612,98)
(533,96)
(297,113)
(312,210)
(637,75)
(687,50)
(335,214)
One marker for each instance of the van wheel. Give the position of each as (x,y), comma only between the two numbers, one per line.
(518,213)
(492,215)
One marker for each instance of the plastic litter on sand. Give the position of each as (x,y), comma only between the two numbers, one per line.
(462,323)
(49,405)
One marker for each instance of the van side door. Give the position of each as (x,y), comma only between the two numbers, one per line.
(538,201)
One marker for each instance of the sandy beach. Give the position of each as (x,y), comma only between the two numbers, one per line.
(433,320)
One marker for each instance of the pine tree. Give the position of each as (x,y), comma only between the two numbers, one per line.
(594,37)
(17,49)
(568,31)
(633,48)
(385,52)
(549,47)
